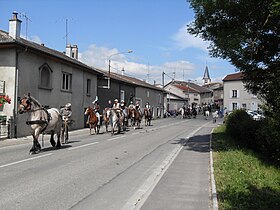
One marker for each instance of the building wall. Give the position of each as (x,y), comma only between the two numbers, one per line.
(29,82)
(154,97)
(114,92)
(243,97)
(7,74)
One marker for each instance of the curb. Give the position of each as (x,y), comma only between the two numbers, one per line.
(213,183)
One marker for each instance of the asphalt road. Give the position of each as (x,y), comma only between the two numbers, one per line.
(123,171)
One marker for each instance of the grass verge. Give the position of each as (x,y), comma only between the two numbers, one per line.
(243,180)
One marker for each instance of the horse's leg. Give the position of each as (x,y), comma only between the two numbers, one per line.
(36,148)
(52,141)
(57,132)
(90,128)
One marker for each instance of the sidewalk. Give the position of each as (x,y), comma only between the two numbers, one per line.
(186,183)
(15,141)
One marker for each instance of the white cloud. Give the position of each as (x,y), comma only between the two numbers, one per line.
(98,57)
(182,40)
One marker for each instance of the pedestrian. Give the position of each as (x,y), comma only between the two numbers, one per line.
(66,113)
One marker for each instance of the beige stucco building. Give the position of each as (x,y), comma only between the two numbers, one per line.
(236,96)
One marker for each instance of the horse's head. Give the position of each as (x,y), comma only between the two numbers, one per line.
(88,110)
(24,105)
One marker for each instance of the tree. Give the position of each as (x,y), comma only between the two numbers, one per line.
(247,34)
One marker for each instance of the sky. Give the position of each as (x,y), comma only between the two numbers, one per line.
(155,30)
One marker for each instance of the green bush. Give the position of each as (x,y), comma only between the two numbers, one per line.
(268,139)
(241,127)
(261,136)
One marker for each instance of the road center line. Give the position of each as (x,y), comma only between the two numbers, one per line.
(85,145)
(25,160)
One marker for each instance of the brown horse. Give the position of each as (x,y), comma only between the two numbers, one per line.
(106,117)
(93,121)
(136,117)
(148,116)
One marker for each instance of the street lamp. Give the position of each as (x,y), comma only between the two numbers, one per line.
(109,58)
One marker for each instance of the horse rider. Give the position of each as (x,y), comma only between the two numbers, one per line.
(96,108)
(123,107)
(117,107)
(110,105)
(148,107)
(138,108)
(131,105)
(66,114)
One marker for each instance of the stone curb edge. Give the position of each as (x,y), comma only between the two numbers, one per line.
(213,183)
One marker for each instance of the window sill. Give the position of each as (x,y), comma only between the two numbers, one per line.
(66,91)
(45,88)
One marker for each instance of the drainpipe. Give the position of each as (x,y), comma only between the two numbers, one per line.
(15,114)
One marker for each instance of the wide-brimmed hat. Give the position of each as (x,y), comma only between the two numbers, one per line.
(68,105)
(116,100)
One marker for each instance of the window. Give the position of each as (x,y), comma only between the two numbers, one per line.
(234,94)
(159,99)
(45,74)
(234,106)
(148,94)
(244,106)
(88,86)
(66,81)
(122,95)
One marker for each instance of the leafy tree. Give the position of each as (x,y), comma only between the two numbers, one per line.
(246,33)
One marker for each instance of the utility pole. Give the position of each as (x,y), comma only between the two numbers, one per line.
(66,35)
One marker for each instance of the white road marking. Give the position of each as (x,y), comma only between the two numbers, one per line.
(112,139)
(25,160)
(85,145)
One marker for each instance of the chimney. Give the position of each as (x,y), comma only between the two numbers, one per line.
(75,52)
(68,50)
(72,51)
(14,26)
(122,71)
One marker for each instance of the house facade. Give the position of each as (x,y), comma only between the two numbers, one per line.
(236,96)
(187,93)
(129,89)
(53,78)
(218,93)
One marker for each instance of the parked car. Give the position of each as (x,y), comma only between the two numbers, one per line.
(255,115)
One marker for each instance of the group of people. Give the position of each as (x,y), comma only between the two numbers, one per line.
(119,107)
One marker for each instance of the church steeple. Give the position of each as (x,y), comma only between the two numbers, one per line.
(206,77)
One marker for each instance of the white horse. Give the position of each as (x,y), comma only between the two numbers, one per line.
(207,113)
(215,116)
(182,112)
(41,120)
(116,122)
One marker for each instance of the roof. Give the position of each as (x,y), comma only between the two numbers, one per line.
(5,39)
(234,77)
(193,87)
(185,88)
(206,73)
(130,80)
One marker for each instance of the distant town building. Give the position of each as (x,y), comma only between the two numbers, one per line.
(236,96)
